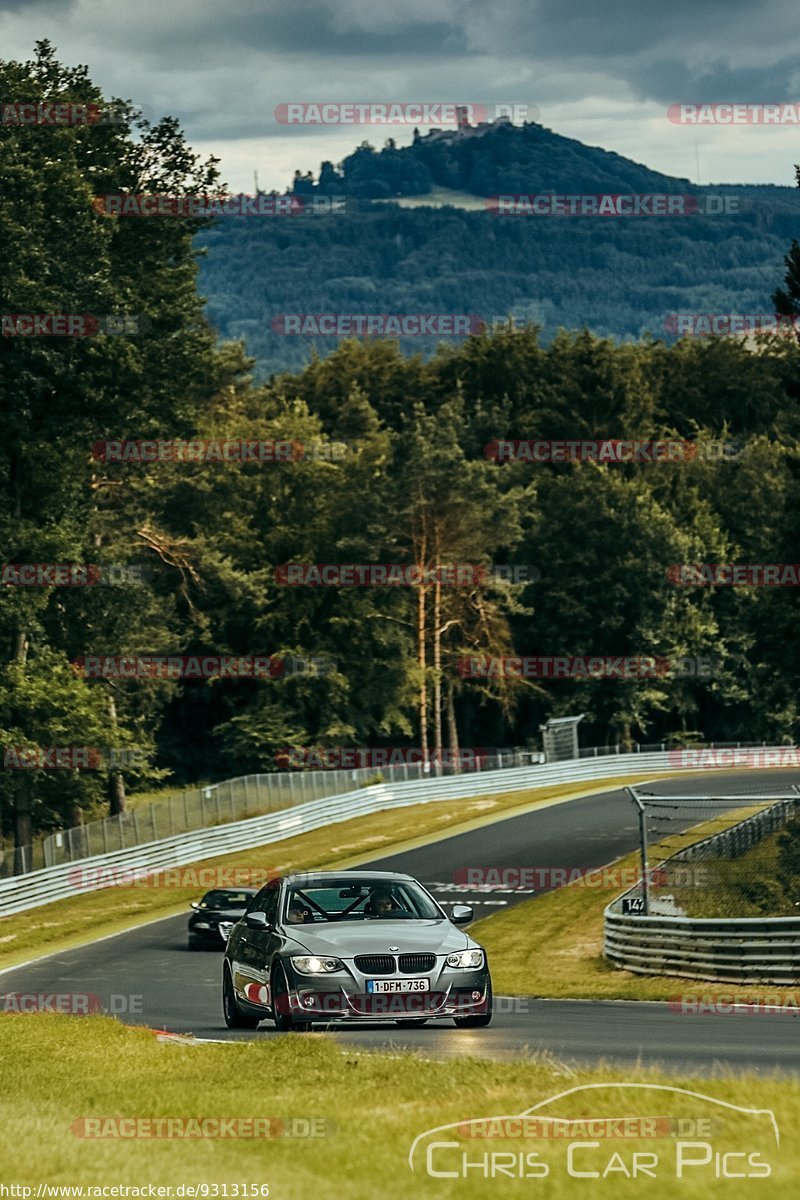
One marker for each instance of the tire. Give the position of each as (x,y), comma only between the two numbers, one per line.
(234,1017)
(410,1022)
(479,1020)
(284,1021)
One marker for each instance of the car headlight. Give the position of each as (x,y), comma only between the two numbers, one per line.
(312,965)
(466,958)
(202,925)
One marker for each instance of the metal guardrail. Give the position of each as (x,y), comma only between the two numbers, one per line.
(741,950)
(21,892)
(728,950)
(230,800)
(251,795)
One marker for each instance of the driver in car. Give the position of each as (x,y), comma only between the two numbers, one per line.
(380,904)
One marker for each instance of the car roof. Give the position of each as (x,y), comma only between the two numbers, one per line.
(252,891)
(323,876)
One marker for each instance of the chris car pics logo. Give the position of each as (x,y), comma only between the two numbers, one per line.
(606,1132)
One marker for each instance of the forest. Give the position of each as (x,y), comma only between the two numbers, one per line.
(391,462)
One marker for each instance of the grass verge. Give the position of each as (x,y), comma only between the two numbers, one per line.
(92,915)
(756,884)
(58,1070)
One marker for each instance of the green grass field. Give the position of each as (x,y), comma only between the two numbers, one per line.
(746,886)
(58,1071)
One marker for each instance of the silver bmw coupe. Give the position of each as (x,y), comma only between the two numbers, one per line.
(372,946)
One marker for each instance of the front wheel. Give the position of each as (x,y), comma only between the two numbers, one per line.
(234,1017)
(284,1021)
(478,1020)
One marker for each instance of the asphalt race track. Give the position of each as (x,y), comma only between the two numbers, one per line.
(150,970)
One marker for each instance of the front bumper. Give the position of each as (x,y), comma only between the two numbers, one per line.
(210,934)
(344,998)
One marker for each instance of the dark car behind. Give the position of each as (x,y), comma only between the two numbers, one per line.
(220,904)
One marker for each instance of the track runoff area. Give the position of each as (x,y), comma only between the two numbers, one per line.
(147,976)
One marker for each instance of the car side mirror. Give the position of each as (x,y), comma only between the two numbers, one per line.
(461,915)
(256,920)
(194,904)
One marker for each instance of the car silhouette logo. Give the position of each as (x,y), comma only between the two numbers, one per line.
(394,947)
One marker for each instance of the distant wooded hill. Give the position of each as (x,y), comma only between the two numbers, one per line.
(421,241)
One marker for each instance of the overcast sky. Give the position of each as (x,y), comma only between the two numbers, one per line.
(602,73)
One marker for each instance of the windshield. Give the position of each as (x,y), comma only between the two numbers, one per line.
(364,900)
(226,899)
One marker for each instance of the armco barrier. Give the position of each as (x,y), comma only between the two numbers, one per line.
(191,809)
(730,950)
(21,892)
(740,950)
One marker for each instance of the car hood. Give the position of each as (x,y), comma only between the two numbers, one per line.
(346,939)
(227,914)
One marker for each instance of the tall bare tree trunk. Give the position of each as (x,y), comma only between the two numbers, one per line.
(23,798)
(19,648)
(23,828)
(422,660)
(116,782)
(437,672)
(452,729)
